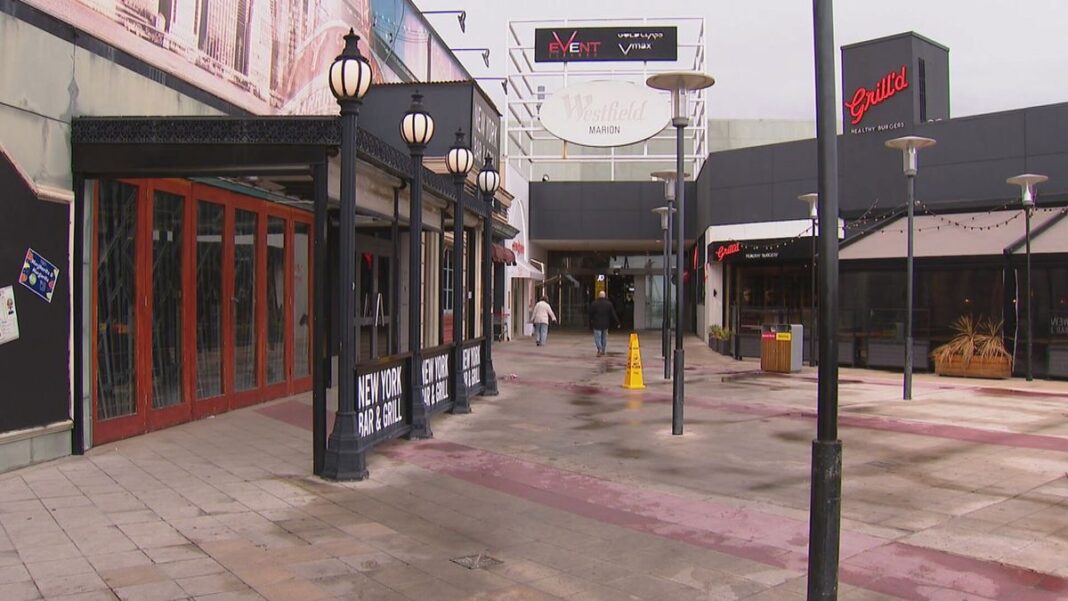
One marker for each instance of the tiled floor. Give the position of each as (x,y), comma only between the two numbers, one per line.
(577,486)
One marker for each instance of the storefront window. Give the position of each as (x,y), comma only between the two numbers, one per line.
(209,299)
(167,233)
(243,309)
(116,291)
(276,300)
(301,307)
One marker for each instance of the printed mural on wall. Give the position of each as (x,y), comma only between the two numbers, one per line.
(266,56)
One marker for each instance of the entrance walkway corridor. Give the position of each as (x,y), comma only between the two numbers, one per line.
(579,490)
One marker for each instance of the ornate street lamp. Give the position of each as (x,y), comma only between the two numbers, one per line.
(668,177)
(680,84)
(1027,182)
(459,161)
(812,199)
(416,128)
(909,145)
(488,182)
(350,78)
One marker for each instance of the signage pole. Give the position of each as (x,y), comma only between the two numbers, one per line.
(680,292)
(825,507)
(910,194)
(461,403)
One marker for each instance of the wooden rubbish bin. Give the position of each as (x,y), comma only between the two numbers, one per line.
(781,348)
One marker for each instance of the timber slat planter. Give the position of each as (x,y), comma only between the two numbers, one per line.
(998,368)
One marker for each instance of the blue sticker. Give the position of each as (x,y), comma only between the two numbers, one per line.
(39,275)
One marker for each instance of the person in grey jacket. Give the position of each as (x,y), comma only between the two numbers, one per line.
(541,317)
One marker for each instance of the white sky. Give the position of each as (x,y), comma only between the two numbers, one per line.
(1004,54)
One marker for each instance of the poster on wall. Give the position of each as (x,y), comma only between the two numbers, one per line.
(265,56)
(39,275)
(9,318)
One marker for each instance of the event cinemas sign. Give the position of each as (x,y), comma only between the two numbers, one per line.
(605,113)
(574,44)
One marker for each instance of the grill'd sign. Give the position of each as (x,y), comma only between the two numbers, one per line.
(605,113)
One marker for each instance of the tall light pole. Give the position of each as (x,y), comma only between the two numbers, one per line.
(825,504)
(488,182)
(665,228)
(812,200)
(668,177)
(909,145)
(416,128)
(680,84)
(350,78)
(459,161)
(1027,182)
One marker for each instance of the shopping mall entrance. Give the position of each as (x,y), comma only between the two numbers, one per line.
(633,283)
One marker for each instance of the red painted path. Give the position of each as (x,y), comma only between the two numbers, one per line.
(876,564)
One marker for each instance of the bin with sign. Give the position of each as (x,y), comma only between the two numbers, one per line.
(781,346)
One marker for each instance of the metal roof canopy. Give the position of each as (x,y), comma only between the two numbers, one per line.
(282,149)
(530,83)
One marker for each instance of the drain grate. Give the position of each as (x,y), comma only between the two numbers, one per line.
(477,562)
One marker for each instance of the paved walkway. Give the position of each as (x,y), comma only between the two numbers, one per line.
(577,486)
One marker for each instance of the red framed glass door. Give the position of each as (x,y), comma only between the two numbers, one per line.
(201,300)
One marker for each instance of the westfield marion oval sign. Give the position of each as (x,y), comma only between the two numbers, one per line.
(605,113)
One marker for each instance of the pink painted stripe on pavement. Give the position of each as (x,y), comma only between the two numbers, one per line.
(898,569)
(868,422)
(872,563)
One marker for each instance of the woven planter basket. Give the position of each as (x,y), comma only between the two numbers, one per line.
(997,368)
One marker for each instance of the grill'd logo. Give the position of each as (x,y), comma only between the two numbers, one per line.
(886,88)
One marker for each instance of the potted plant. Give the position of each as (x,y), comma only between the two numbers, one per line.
(719,339)
(977,351)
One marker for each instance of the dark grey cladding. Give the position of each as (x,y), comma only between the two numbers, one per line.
(601,210)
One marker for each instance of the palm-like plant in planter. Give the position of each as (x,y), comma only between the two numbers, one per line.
(977,351)
(719,339)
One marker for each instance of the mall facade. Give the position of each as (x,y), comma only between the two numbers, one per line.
(749,256)
(170,217)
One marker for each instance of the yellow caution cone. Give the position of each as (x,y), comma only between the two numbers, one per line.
(634,379)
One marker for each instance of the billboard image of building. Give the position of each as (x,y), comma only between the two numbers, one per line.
(265,56)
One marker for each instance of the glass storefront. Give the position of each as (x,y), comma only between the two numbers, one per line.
(633,282)
(193,290)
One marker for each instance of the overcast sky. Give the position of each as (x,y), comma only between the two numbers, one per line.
(1003,54)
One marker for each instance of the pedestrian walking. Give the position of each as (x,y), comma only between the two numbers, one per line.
(602,316)
(540,317)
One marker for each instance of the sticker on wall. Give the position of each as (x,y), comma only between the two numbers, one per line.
(9,318)
(39,275)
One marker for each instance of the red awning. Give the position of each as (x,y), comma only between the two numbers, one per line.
(501,254)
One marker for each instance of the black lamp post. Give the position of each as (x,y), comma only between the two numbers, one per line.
(909,145)
(350,78)
(680,84)
(1027,182)
(416,127)
(459,161)
(812,200)
(665,228)
(488,182)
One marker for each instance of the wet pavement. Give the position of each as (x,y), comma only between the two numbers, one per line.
(577,487)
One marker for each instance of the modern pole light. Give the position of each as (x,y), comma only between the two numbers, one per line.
(665,228)
(350,78)
(416,128)
(680,84)
(1027,182)
(909,145)
(488,182)
(812,200)
(459,161)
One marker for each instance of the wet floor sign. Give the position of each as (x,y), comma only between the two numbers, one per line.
(634,380)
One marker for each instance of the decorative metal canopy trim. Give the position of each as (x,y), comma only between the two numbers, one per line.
(322,131)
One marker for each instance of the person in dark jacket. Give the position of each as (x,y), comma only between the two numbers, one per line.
(602,316)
